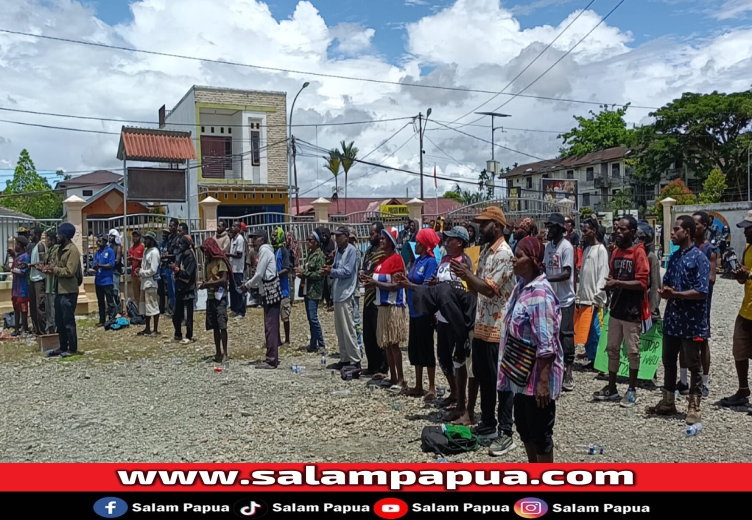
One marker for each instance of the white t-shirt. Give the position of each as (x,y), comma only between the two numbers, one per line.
(556,259)
(237,246)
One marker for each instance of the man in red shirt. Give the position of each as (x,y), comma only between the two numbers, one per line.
(135,257)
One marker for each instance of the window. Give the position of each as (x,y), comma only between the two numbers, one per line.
(529,183)
(570,174)
(229,130)
(256,148)
(586,199)
(88,193)
(615,170)
(222,130)
(589,174)
(228,154)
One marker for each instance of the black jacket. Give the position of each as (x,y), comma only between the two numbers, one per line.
(185,278)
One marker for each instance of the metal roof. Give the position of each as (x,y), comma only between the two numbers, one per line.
(155,145)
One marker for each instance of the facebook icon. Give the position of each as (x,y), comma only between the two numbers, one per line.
(110,507)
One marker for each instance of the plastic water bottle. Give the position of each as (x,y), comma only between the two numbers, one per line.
(441,459)
(323,361)
(341,392)
(294,369)
(694,429)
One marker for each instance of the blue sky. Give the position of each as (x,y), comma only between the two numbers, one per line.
(680,18)
(647,53)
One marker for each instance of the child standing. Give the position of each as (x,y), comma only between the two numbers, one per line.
(20,289)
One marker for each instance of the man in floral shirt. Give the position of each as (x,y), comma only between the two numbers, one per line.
(493,283)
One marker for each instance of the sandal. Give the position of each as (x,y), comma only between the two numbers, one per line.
(396,389)
(429,397)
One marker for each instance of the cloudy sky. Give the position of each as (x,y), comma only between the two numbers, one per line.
(647,52)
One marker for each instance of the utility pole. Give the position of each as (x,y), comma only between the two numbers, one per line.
(422,151)
(291,156)
(295,169)
(492,166)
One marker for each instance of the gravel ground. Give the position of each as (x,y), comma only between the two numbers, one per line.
(136,400)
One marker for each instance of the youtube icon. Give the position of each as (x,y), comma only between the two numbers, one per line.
(390,508)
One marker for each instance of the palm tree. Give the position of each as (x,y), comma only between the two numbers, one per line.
(333,164)
(347,157)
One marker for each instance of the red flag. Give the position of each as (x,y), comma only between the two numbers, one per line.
(435,180)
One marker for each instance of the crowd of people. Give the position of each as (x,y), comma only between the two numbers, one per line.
(505,331)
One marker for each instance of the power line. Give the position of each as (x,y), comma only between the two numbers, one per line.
(556,62)
(307,73)
(442,151)
(116,120)
(528,65)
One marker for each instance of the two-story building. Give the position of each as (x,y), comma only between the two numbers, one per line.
(599,175)
(241,145)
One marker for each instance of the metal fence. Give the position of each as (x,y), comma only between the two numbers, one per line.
(514,209)
(9,227)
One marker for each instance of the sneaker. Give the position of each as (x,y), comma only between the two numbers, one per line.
(187,341)
(502,445)
(486,433)
(705,391)
(568,384)
(606,394)
(629,399)
(682,388)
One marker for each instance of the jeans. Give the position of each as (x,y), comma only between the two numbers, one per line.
(65,318)
(237,298)
(105,298)
(358,328)
(182,306)
(486,372)
(591,347)
(691,348)
(312,312)
(169,284)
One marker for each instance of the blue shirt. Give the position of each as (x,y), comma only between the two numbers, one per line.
(283,262)
(688,269)
(708,249)
(423,269)
(345,274)
(104,256)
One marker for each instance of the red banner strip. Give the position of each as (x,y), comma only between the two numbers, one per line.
(373,477)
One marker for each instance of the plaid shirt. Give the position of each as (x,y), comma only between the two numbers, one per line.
(533,316)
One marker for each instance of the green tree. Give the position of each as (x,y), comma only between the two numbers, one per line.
(347,157)
(606,129)
(713,188)
(334,164)
(454,195)
(678,191)
(705,131)
(586,212)
(622,200)
(26,180)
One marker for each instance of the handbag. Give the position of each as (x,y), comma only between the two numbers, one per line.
(518,361)
(272,291)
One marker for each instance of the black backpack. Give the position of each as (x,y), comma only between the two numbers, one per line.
(434,439)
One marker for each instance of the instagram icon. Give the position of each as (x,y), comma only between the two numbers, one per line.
(530,507)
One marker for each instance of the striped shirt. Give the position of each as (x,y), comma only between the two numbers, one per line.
(383,273)
(370,261)
(533,316)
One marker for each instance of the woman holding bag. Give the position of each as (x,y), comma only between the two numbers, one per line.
(532,358)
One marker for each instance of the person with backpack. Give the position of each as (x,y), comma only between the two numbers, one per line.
(267,281)
(185,291)
(531,353)
(67,269)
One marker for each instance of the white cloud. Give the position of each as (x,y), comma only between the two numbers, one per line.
(732,9)
(353,38)
(525,9)
(472,43)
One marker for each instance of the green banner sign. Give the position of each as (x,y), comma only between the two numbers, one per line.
(651,352)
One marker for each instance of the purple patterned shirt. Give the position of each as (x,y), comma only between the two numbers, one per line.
(532,315)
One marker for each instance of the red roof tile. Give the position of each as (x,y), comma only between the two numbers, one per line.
(153,145)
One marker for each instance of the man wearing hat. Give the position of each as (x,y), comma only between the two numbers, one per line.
(742,343)
(67,269)
(559,259)
(353,239)
(149,275)
(344,271)
(494,283)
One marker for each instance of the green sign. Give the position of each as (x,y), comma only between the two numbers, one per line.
(651,352)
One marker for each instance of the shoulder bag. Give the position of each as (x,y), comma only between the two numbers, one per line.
(518,361)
